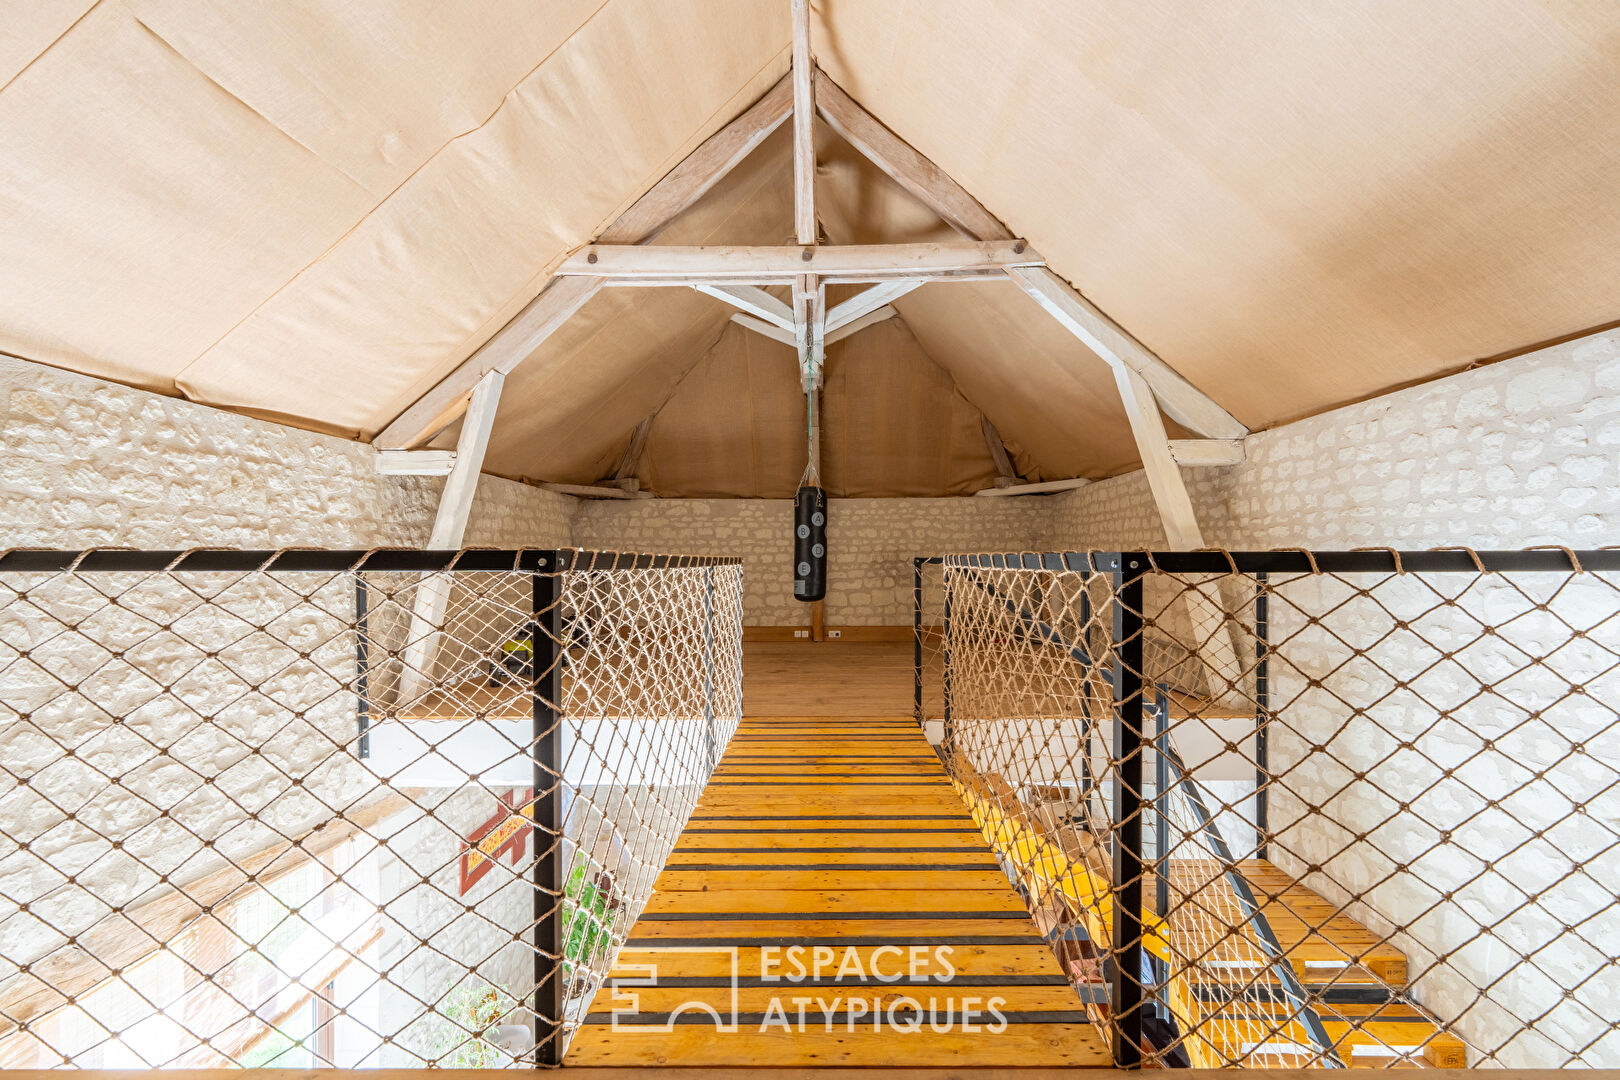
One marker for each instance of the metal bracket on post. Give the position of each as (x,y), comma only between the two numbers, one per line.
(1126,992)
(551,976)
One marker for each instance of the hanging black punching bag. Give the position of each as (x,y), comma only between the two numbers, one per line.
(809,544)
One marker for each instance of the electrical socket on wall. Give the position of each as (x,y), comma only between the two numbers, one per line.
(801,633)
(835,633)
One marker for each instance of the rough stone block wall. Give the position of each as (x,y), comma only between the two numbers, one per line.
(870,542)
(86,463)
(1514,454)
(1523,452)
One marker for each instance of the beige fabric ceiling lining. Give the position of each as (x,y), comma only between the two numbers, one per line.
(1294,204)
(316,211)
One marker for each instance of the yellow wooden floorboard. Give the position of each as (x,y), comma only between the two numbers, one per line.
(845,840)
(699,1045)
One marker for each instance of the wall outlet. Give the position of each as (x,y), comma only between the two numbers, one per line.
(835,633)
(801,633)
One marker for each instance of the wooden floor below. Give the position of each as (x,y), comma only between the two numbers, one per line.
(833,877)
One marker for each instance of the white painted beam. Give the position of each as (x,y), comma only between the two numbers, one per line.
(415,462)
(911,170)
(1180,399)
(776,333)
(646,218)
(868,301)
(753,300)
(871,318)
(620,264)
(1045,487)
(1217,642)
(449,529)
(770,330)
(804,127)
(1207,452)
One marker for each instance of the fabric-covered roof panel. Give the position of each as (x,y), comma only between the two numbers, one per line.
(735,426)
(1295,205)
(566,414)
(317,71)
(463,244)
(145,209)
(893,423)
(1038,384)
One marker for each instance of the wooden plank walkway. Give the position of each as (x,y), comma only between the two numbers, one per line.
(832,855)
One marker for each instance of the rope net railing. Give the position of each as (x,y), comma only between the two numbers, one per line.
(341,809)
(1292,809)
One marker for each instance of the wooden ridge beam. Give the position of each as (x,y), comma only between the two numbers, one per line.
(664,264)
(560,298)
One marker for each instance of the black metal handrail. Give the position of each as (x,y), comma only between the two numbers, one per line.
(293,560)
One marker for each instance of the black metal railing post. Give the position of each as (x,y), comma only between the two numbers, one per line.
(945,648)
(1126,992)
(551,976)
(1262,714)
(708,667)
(916,640)
(362,661)
(1161,841)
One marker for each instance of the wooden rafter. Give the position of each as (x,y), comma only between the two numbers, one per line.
(785,336)
(804,127)
(753,300)
(518,339)
(1207,452)
(1006,474)
(1181,400)
(631,459)
(911,170)
(868,301)
(449,530)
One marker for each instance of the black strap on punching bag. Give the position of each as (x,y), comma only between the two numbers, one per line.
(809,544)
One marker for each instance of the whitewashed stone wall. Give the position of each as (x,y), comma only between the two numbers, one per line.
(83,462)
(870,544)
(1514,454)
(1522,452)
(238,740)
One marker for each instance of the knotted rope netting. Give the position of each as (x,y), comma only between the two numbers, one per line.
(1306,809)
(314,809)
